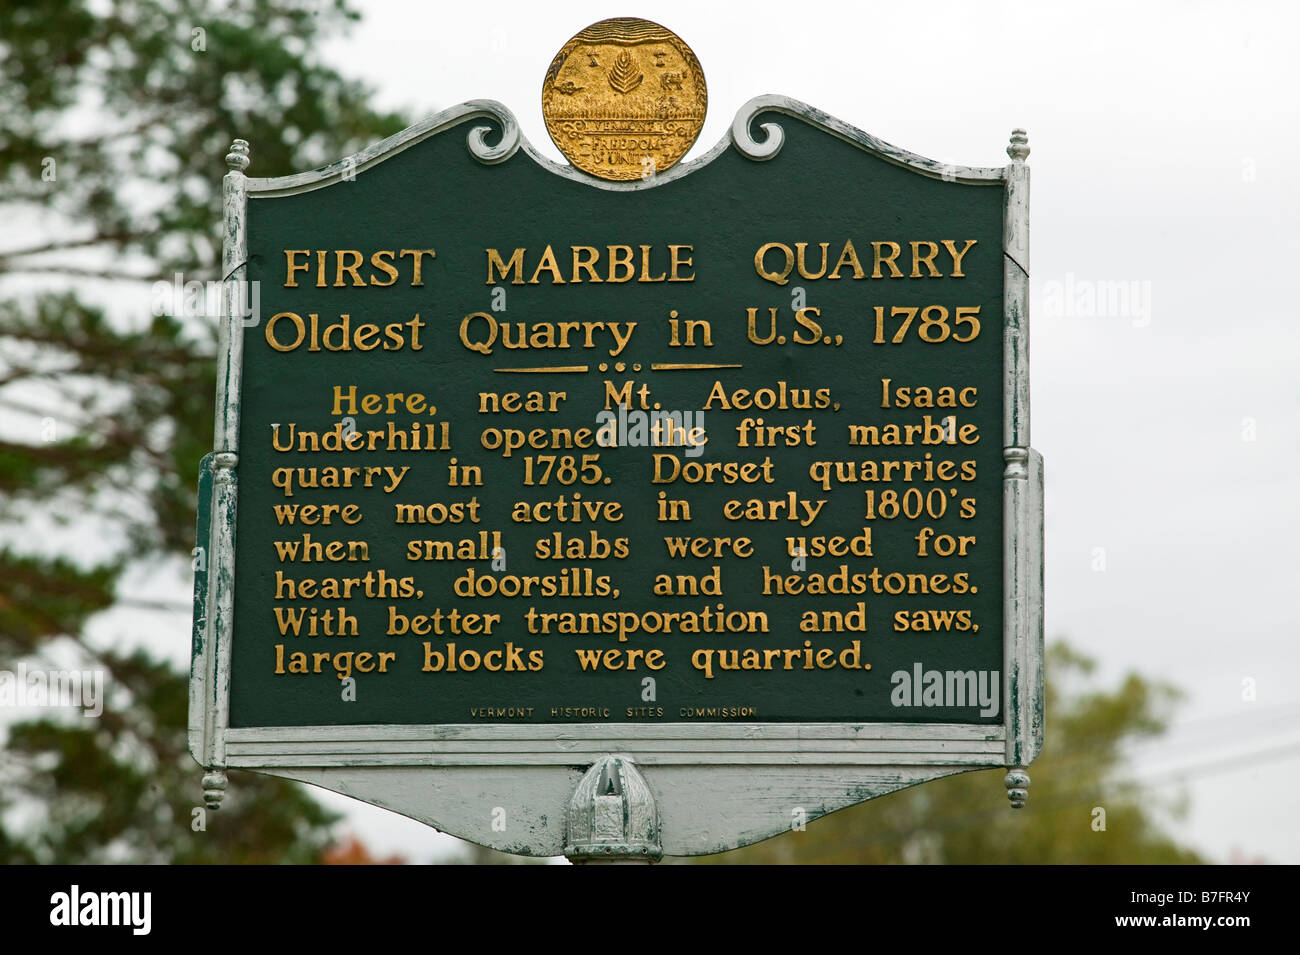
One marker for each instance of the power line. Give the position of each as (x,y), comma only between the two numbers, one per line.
(1084,796)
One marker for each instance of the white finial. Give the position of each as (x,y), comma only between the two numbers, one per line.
(1019,148)
(214,788)
(238,158)
(1017,783)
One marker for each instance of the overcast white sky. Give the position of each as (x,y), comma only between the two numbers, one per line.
(1164,140)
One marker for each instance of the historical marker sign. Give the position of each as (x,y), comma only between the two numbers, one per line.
(724,471)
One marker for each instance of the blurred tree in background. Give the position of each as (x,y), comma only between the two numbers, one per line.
(966,819)
(115,121)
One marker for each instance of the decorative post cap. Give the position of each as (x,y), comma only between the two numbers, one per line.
(1019,148)
(238,157)
(214,788)
(613,816)
(1017,783)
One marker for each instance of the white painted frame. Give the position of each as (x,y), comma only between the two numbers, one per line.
(717,785)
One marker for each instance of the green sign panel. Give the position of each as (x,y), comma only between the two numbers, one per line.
(522,444)
(509,455)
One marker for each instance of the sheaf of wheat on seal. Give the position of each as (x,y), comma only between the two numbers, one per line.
(624,99)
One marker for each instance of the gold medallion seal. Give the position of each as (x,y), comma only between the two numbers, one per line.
(624,99)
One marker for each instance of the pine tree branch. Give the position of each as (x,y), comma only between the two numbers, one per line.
(118,237)
(109,274)
(166,606)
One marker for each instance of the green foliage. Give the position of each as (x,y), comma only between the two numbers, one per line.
(965,819)
(123,787)
(113,130)
(165,112)
(44,598)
